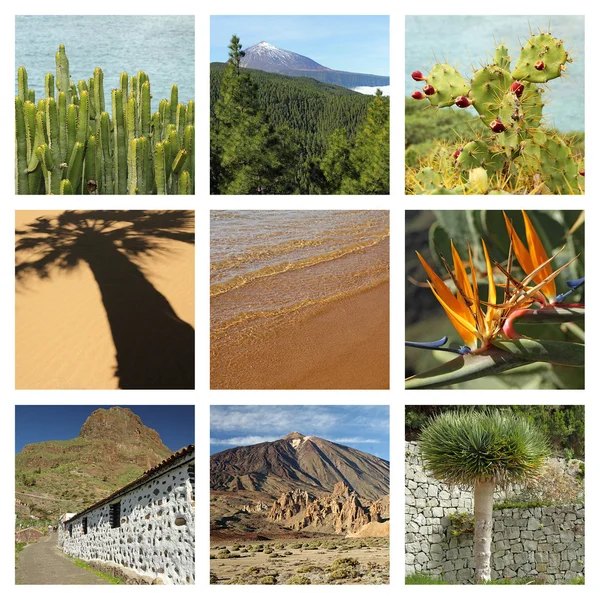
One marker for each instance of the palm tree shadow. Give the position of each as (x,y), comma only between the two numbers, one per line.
(154,347)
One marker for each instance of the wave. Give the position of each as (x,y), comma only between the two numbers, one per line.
(244,279)
(245,317)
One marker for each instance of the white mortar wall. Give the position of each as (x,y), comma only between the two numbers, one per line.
(156,535)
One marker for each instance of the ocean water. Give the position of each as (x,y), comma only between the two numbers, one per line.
(271,264)
(162,46)
(467,42)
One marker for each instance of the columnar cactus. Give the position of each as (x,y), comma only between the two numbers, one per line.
(511,105)
(70,144)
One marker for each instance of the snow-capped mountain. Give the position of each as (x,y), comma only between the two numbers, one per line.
(266,57)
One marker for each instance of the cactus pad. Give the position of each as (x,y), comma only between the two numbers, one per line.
(542,49)
(448,84)
(502,59)
(477,154)
(487,90)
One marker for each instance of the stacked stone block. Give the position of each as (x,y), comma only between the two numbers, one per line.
(535,542)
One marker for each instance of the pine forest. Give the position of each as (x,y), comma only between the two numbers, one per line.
(275,134)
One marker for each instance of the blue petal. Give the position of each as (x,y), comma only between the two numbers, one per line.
(437,345)
(573,284)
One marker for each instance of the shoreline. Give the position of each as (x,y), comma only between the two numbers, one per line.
(343,345)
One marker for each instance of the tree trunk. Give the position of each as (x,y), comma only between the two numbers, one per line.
(482,538)
(154,347)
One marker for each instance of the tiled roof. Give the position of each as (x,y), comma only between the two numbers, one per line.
(140,480)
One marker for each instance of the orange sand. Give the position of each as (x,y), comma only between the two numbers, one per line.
(344,345)
(63,339)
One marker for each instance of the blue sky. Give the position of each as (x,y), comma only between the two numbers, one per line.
(36,423)
(365,428)
(357,43)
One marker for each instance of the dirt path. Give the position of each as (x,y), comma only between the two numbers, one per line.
(44,563)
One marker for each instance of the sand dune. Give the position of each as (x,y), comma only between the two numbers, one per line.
(63,335)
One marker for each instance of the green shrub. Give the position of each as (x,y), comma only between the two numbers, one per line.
(268,580)
(310,569)
(298,580)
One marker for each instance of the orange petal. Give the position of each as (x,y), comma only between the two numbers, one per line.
(459,314)
(538,257)
(464,328)
(461,273)
(519,249)
(447,297)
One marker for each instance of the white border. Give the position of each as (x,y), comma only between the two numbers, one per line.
(396,203)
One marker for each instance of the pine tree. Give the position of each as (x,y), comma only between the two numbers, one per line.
(336,164)
(248,154)
(370,157)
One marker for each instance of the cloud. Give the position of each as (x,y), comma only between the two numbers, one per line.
(248,440)
(355,440)
(370,91)
(306,419)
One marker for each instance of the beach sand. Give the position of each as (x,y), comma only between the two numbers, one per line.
(63,337)
(341,345)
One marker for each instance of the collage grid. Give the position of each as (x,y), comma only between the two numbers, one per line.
(251,414)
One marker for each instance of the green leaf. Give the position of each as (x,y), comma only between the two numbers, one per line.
(482,363)
(559,353)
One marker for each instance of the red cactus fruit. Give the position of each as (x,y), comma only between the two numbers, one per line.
(418,95)
(457,153)
(429,90)
(463,102)
(417,76)
(540,65)
(497,126)
(517,88)
(582,172)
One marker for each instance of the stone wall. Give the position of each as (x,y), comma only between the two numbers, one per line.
(155,536)
(546,542)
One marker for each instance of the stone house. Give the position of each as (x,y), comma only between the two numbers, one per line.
(146,527)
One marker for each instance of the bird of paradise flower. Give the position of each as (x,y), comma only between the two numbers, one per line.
(480,329)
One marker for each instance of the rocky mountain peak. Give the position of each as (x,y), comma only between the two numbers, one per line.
(119,425)
(294,435)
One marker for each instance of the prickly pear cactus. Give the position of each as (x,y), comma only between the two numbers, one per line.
(511,104)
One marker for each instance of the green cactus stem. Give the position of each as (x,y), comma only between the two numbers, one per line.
(49,85)
(119,143)
(91,168)
(104,154)
(477,154)
(74,170)
(160,169)
(487,91)
(22,86)
(22,181)
(185,187)
(70,136)
(145,109)
(541,51)
(447,83)
(63,77)
(66,189)
(98,91)
(83,119)
(174,102)
(502,59)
